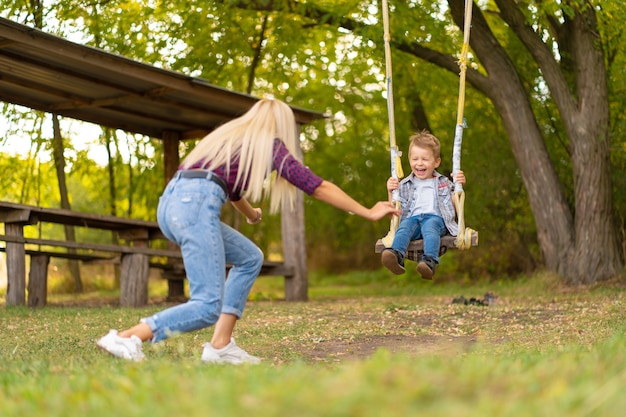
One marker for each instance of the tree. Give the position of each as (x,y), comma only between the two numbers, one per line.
(58,149)
(551,99)
(578,242)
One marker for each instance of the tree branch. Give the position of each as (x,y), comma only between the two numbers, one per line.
(324,17)
(540,51)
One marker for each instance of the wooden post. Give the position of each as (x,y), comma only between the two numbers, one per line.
(134,280)
(294,248)
(294,251)
(16,266)
(38,280)
(171,161)
(177,287)
(135,269)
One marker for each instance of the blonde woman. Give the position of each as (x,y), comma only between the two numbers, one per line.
(235,162)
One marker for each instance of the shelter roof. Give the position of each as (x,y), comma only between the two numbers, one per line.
(48,73)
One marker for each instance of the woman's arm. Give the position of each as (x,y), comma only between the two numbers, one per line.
(335,196)
(253,215)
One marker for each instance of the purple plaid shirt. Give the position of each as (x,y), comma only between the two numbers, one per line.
(283,162)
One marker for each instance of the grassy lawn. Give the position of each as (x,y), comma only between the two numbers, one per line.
(366,344)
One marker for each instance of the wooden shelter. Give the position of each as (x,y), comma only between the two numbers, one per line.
(51,74)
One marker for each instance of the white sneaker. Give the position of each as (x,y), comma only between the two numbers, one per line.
(122,347)
(230,353)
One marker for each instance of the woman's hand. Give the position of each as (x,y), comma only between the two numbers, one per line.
(259,216)
(382,209)
(253,215)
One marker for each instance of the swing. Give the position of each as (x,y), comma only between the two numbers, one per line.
(467,237)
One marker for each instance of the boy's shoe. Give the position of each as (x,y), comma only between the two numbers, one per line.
(122,347)
(426,267)
(391,260)
(230,353)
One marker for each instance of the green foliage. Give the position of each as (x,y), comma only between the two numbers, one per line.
(312,61)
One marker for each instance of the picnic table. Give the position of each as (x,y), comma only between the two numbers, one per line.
(133,250)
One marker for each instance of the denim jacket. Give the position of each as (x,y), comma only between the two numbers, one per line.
(445,188)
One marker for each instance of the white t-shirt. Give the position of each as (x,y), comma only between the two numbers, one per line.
(425,200)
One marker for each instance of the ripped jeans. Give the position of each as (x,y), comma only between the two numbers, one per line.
(189,215)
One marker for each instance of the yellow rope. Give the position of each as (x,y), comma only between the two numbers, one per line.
(464,238)
(395,222)
(463,66)
(396,162)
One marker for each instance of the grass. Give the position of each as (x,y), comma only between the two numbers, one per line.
(366,344)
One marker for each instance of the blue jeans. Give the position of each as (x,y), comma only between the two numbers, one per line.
(429,227)
(189,215)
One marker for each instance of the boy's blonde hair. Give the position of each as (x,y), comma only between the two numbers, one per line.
(426,140)
(251,138)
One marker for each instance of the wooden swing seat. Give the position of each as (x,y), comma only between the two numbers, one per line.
(416,247)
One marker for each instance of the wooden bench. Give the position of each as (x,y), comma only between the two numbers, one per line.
(134,254)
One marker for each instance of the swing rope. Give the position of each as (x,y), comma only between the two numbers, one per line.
(464,238)
(396,163)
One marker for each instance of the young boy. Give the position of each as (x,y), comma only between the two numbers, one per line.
(428,210)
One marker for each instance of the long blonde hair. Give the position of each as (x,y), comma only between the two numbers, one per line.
(250,137)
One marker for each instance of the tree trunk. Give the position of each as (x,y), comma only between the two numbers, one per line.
(584,249)
(108,136)
(598,254)
(578,84)
(59,163)
(504,87)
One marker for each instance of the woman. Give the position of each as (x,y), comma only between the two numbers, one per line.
(236,161)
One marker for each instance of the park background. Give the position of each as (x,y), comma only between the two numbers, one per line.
(328,57)
(366,343)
